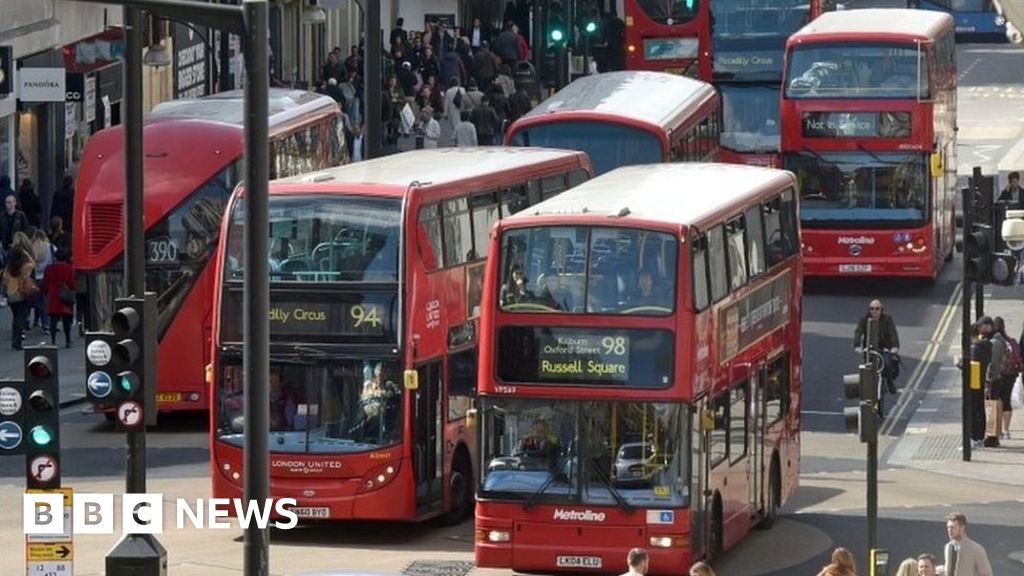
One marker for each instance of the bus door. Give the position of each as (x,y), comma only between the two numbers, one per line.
(699,470)
(426,423)
(756,413)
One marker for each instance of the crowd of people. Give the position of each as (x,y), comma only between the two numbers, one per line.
(463,80)
(38,283)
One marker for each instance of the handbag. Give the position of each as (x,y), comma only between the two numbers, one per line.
(67,296)
(28,287)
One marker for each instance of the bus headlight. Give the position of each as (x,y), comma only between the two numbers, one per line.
(378,477)
(493,536)
(666,542)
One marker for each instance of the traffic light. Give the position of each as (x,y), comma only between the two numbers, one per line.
(133,360)
(864,416)
(978,252)
(42,417)
(556,23)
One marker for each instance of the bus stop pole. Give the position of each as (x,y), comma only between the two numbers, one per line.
(256,295)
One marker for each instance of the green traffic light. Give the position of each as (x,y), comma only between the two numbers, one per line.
(591,27)
(557,35)
(128,382)
(40,436)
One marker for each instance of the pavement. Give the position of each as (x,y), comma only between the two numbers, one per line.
(932,440)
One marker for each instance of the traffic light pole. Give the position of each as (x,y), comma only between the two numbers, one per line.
(872,327)
(965,335)
(134,233)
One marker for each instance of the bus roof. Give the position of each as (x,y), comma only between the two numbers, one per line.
(437,166)
(229,108)
(682,194)
(657,98)
(887,23)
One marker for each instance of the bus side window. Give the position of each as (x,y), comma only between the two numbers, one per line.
(513,200)
(429,228)
(484,208)
(788,221)
(755,241)
(717,265)
(777,389)
(457,232)
(738,422)
(719,442)
(461,383)
(699,265)
(774,252)
(552,186)
(577,177)
(736,253)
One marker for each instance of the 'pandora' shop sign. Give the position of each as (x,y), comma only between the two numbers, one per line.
(41,85)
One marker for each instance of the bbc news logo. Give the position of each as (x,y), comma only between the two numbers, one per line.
(43,514)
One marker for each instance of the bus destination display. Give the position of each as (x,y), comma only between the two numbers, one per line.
(584,357)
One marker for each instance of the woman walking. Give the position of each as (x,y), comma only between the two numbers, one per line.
(21,290)
(59,287)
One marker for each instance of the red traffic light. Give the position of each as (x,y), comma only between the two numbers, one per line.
(39,367)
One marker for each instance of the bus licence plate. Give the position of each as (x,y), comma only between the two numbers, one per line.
(168,397)
(578,561)
(848,268)
(312,512)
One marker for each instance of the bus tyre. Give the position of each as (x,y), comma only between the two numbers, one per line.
(460,486)
(771,505)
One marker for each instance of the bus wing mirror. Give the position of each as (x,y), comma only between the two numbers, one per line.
(411,380)
(471,418)
(707,420)
(936,164)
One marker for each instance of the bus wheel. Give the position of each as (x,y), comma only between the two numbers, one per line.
(715,546)
(771,506)
(461,491)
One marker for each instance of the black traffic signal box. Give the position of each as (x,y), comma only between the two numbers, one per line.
(42,417)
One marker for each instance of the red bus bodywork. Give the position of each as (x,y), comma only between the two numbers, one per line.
(926,128)
(186,147)
(436,320)
(717,350)
(602,115)
(660,43)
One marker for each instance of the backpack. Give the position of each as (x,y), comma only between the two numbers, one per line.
(457,100)
(1012,361)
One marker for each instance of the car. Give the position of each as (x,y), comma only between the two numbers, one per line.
(635,464)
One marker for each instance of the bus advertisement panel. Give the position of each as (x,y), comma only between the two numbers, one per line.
(376,275)
(193,160)
(670,37)
(869,116)
(626,118)
(639,370)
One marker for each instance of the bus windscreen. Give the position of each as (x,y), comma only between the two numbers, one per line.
(608,145)
(591,452)
(750,117)
(857,70)
(669,11)
(861,187)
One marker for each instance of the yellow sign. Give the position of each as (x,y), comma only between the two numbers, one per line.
(168,397)
(43,551)
(65,491)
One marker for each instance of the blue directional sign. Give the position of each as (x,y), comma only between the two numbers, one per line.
(99,384)
(10,435)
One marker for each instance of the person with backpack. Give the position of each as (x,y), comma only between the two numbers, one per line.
(1011,370)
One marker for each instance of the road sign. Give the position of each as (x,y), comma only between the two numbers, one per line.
(10,401)
(10,435)
(43,468)
(98,352)
(42,551)
(100,384)
(58,568)
(129,414)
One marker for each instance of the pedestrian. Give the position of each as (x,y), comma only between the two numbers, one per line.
(430,128)
(925,564)
(981,352)
(638,561)
(42,253)
(842,564)
(20,289)
(1010,372)
(465,133)
(59,288)
(486,122)
(964,557)
(12,220)
(907,568)
(1013,194)
(29,201)
(58,237)
(64,201)
(701,569)
(888,341)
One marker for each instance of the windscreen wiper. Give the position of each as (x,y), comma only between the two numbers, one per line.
(532,500)
(872,154)
(619,498)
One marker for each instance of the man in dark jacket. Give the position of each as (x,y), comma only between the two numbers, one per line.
(11,220)
(888,341)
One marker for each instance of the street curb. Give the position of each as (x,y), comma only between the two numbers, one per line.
(74,402)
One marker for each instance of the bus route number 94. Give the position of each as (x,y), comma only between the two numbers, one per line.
(368,315)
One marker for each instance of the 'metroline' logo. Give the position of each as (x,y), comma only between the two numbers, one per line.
(144,513)
(581,515)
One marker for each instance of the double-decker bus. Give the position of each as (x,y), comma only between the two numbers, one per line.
(640,369)
(625,118)
(668,36)
(375,286)
(747,46)
(192,160)
(869,128)
(976,19)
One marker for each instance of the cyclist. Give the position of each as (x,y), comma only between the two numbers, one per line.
(888,341)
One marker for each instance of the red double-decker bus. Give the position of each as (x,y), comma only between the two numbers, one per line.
(375,287)
(625,118)
(193,159)
(668,36)
(869,128)
(640,370)
(748,41)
